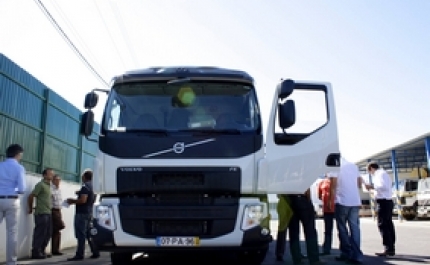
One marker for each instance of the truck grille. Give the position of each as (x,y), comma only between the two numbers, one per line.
(177,179)
(175,199)
(189,228)
(178,201)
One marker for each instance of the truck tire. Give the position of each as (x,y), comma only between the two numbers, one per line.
(409,216)
(254,257)
(121,258)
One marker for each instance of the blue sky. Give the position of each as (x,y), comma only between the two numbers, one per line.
(376,54)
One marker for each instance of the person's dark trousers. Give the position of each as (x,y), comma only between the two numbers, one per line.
(385,224)
(303,212)
(82,226)
(328,232)
(41,234)
(57,226)
(281,241)
(91,243)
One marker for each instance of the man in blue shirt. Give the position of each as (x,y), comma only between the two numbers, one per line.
(12,183)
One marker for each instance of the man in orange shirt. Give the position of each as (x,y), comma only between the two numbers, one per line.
(324,189)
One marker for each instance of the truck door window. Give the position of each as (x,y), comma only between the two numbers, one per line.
(311,111)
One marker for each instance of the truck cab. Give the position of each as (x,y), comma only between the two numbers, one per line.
(184,163)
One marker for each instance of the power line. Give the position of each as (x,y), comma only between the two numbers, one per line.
(110,36)
(78,37)
(69,42)
(124,32)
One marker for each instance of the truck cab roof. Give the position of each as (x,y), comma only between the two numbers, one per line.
(182,72)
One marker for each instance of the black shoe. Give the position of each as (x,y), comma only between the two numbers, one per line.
(39,256)
(324,253)
(340,258)
(57,253)
(303,256)
(279,258)
(75,258)
(385,253)
(95,256)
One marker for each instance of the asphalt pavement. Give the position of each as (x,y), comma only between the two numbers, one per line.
(412,247)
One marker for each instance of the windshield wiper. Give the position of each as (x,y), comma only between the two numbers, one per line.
(149,131)
(212,131)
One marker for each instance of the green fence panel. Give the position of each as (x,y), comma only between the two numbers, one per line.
(44,123)
(20,103)
(15,132)
(62,126)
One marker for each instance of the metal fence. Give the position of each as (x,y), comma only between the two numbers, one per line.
(43,123)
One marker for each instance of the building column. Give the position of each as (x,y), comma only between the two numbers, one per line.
(396,182)
(427,143)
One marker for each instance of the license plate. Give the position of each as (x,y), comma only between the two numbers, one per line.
(178,241)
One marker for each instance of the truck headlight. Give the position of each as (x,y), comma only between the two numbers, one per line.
(253,215)
(104,216)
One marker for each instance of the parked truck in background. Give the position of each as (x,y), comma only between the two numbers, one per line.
(423,197)
(184,165)
(407,198)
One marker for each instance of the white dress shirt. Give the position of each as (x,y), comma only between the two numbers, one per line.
(382,185)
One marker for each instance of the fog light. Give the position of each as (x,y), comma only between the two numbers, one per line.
(253,215)
(105,217)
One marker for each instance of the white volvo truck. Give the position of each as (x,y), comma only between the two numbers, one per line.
(183,163)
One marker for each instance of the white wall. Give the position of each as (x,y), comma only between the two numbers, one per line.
(26,221)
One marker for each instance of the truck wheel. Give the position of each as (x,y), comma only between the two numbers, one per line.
(253,257)
(121,258)
(409,216)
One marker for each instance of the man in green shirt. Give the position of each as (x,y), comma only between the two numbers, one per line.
(42,214)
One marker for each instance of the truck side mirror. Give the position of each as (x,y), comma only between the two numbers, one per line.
(91,100)
(287,114)
(287,87)
(333,160)
(87,123)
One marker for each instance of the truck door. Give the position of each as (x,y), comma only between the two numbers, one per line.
(301,138)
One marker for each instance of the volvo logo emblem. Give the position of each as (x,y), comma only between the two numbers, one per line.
(179,148)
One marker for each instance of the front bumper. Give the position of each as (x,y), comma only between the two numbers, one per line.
(104,240)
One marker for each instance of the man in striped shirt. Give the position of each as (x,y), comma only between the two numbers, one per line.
(57,220)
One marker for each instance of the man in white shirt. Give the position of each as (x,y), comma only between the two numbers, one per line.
(345,188)
(382,188)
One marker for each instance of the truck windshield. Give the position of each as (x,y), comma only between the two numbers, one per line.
(162,107)
(424,185)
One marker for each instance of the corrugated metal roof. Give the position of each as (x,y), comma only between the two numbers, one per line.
(409,155)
